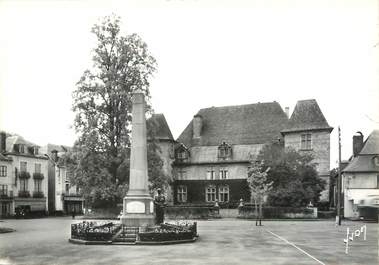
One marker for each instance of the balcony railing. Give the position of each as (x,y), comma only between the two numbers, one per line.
(37,175)
(72,194)
(6,194)
(24,194)
(24,175)
(38,194)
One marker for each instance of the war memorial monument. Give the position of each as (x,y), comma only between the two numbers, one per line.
(137,224)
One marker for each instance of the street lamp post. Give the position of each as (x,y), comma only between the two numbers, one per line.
(339,181)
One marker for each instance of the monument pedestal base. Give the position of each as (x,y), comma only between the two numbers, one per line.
(138,211)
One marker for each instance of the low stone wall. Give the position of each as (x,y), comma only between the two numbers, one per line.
(247,212)
(191,212)
(326,214)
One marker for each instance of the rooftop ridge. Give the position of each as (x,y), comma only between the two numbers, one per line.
(238,106)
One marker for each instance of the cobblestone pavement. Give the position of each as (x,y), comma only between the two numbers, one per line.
(225,241)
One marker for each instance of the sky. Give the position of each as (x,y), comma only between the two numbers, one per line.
(209,53)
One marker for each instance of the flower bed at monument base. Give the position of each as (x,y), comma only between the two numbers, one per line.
(101,232)
(165,236)
(94,231)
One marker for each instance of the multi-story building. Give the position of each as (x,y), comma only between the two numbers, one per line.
(64,198)
(213,152)
(308,131)
(6,185)
(360,178)
(26,175)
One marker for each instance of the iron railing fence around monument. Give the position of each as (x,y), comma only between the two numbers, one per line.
(93,231)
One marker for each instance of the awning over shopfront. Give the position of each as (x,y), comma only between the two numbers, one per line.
(364,197)
(34,204)
(73,198)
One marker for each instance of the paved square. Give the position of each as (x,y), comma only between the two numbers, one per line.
(225,241)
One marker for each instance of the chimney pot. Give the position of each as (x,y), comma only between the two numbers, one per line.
(3,140)
(287,111)
(197,124)
(357,143)
(54,155)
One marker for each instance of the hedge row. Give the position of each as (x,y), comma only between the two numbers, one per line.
(276,212)
(191,212)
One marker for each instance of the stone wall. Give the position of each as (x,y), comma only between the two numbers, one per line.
(360,181)
(199,172)
(320,148)
(238,188)
(247,212)
(356,187)
(167,155)
(320,151)
(201,154)
(191,212)
(9,179)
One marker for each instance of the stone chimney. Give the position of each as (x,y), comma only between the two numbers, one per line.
(197,124)
(357,143)
(54,155)
(3,140)
(287,111)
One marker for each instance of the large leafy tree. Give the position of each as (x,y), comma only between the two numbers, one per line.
(103,103)
(293,174)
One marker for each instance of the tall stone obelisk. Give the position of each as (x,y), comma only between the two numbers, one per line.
(138,206)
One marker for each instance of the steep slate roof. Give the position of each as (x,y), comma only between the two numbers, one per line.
(16,139)
(307,116)
(4,158)
(364,161)
(362,164)
(51,147)
(163,131)
(371,145)
(244,124)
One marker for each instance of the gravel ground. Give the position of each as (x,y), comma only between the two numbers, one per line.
(224,241)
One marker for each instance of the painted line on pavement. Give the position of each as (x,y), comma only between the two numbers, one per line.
(306,253)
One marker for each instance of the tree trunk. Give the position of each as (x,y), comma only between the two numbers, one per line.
(256,212)
(260,212)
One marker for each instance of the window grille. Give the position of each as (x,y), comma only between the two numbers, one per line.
(223,194)
(182,194)
(306,141)
(210,194)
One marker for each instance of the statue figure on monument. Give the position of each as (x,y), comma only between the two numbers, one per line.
(160,203)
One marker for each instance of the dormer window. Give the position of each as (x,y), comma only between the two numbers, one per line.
(376,161)
(181,153)
(35,150)
(21,148)
(224,150)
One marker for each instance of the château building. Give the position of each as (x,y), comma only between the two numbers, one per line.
(212,154)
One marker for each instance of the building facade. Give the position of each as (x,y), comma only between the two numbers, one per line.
(6,187)
(360,178)
(26,180)
(213,153)
(166,143)
(309,132)
(64,198)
